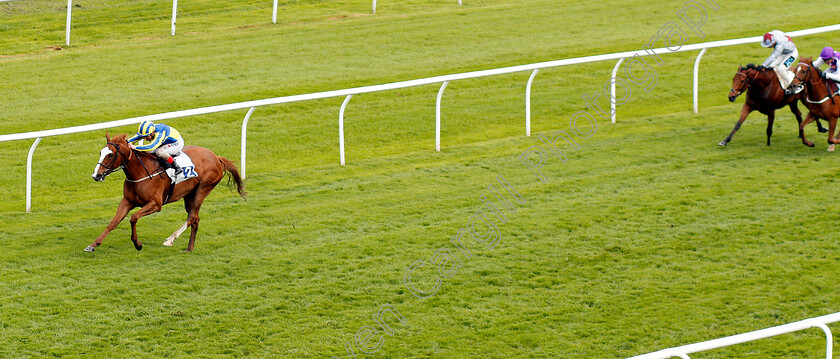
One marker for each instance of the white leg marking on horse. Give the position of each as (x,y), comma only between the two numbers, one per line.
(171,240)
(102,153)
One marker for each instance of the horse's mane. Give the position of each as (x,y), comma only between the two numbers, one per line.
(119,138)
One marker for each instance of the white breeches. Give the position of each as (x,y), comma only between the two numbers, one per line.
(170,150)
(782,67)
(833,75)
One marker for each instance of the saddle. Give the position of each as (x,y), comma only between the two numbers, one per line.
(183,160)
(832,87)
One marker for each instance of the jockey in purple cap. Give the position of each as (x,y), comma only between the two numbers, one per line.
(783,57)
(830,57)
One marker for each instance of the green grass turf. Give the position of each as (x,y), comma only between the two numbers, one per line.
(649,236)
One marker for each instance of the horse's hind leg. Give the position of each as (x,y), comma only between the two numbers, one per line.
(122,211)
(745,110)
(171,239)
(149,208)
(770,118)
(188,202)
(192,218)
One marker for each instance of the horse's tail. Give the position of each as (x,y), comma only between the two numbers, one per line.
(231,169)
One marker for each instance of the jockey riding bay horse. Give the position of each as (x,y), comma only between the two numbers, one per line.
(765,95)
(822,102)
(148,186)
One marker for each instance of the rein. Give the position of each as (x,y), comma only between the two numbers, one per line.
(124,162)
(748,80)
(110,167)
(813,84)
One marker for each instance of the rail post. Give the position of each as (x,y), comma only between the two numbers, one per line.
(29,174)
(341,128)
(67,28)
(245,139)
(612,88)
(697,78)
(528,102)
(437,116)
(174,15)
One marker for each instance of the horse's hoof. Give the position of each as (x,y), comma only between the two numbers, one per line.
(722,144)
(831,148)
(90,249)
(809,144)
(823,130)
(169,242)
(140,247)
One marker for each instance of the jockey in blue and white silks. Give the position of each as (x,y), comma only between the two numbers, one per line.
(784,55)
(830,57)
(163,141)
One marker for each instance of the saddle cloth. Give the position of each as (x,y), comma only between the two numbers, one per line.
(186,164)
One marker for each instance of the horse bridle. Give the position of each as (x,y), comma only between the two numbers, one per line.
(110,168)
(749,81)
(809,76)
(808,79)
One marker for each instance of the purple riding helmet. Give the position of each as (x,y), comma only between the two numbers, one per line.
(828,53)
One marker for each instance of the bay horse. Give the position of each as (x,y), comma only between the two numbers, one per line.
(821,102)
(148,186)
(765,95)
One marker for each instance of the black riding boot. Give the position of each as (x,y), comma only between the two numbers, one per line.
(177,168)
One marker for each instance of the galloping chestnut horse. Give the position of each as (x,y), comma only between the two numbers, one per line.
(146,184)
(816,96)
(765,95)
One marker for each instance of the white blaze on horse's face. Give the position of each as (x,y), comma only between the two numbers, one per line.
(102,153)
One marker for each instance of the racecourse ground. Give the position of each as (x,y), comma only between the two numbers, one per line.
(649,236)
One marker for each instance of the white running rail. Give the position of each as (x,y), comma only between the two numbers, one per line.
(683,351)
(620,56)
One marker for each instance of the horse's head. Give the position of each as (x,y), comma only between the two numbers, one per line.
(802,73)
(742,80)
(112,157)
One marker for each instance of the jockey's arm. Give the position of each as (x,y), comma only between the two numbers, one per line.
(773,57)
(818,62)
(160,136)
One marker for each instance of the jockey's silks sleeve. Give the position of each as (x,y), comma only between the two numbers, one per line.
(164,135)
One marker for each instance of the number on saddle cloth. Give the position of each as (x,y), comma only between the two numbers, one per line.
(187,166)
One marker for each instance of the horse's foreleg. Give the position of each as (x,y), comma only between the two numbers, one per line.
(832,125)
(122,211)
(802,125)
(798,114)
(745,110)
(149,208)
(171,240)
(770,118)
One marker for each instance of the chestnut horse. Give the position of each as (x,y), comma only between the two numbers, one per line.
(765,95)
(820,101)
(146,185)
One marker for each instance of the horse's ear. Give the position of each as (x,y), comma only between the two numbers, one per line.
(107,138)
